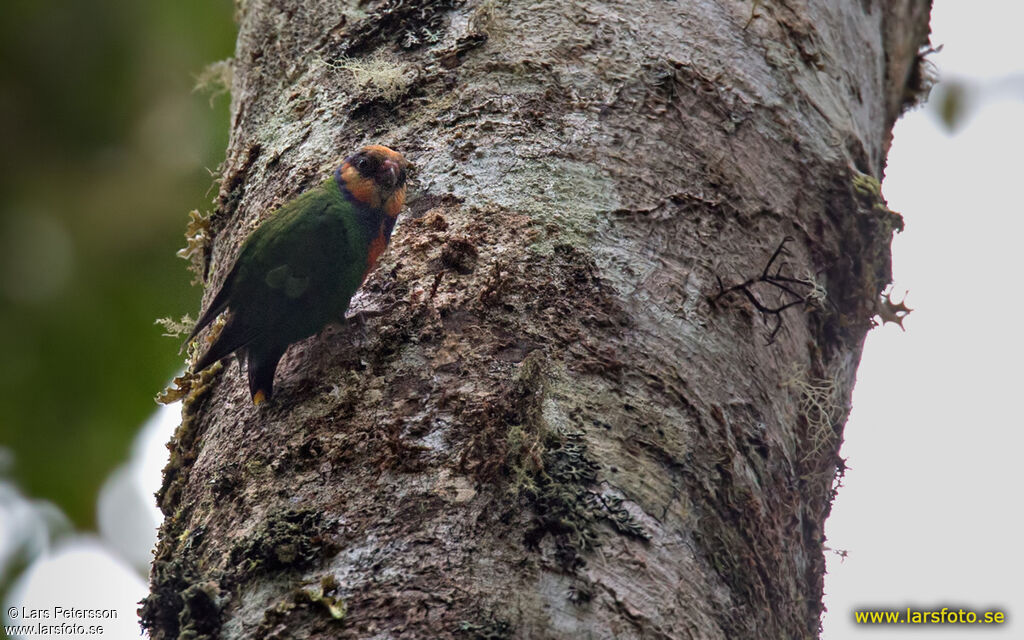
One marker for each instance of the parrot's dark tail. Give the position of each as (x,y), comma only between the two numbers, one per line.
(261,366)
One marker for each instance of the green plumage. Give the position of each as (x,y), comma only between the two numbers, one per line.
(295,273)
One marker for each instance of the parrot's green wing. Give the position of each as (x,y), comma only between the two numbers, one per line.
(285,278)
(280,220)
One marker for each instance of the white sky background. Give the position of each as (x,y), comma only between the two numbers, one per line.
(931,508)
(930,511)
(87,571)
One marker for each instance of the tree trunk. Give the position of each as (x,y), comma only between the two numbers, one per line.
(581,414)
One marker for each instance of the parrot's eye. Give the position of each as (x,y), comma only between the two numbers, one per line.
(367,165)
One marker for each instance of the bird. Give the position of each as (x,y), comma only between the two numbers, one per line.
(298,270)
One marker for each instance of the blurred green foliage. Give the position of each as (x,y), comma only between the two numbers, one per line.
(956,100)
(106,148)
(951,102)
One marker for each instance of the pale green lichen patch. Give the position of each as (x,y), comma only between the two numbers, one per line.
(379,75)
(189,386)
(215,78)
(567,196)
(197,245)
(176,328)
(820,403)
(869,192)
(326,595)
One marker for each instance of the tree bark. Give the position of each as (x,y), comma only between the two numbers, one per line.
(580,415)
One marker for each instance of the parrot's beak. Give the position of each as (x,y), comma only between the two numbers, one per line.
(388,173)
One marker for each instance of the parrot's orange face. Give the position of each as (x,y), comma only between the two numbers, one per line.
(376,176)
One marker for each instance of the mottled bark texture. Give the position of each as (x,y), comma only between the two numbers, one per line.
(556,428)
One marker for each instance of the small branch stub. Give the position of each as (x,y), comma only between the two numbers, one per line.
(813,293)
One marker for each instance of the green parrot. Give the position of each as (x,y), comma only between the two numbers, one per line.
(300,268)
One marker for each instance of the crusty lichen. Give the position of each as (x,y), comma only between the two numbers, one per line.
(322,598)
(180,604)
(524,440)
(488,628)
(566,504)
(189,388)
(544,467)
(200,612)
(409,24)
(287,539)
